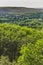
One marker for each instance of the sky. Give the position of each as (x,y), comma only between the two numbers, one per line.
(22,3)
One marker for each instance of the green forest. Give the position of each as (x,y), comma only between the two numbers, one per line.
(21,40)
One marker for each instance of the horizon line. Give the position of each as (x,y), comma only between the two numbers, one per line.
(23,7)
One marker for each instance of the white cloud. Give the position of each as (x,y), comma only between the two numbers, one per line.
(22,3)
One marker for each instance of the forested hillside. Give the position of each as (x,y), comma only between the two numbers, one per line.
(14,38)
(21,37)
(32,20)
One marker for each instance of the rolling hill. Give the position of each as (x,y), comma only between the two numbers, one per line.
(20,9)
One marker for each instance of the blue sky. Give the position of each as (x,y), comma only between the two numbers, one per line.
(22,3)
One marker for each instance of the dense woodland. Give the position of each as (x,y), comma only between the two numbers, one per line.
(21,39)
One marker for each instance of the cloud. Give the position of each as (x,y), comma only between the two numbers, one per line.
(22,3)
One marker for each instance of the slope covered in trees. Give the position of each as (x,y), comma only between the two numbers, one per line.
(21,36)
(32,20)
(20,45)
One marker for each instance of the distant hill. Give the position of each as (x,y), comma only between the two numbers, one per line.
(20,10)
(31,17)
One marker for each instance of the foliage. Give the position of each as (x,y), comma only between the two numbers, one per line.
(4,61)
(33,20)
(14,38)
(32,54)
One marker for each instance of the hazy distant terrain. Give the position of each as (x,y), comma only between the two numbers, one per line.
(20,9)
(22,16)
